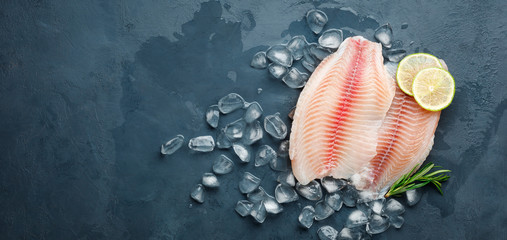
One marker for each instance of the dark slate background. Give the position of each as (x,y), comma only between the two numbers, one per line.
(90,89)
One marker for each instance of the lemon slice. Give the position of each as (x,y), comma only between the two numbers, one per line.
(410,66)
(433,88)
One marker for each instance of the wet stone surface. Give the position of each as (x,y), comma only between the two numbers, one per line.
(91,90)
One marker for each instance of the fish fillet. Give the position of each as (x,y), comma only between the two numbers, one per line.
(340,111)
(404,141)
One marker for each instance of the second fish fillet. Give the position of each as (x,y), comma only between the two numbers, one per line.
(404,141)
(340,111)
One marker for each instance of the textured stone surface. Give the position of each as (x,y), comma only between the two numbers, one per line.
(89,90)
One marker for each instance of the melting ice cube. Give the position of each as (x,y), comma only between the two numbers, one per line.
(210,180)
(275,126)
(296,45)
(277,70)
(316,20)
(295,79)
(230,103)
(392,208)
(172,145)
(222,140)
(317,51)
(264,155)
(223,165)
(377,224)
(258,212)
(331,38)
(285,194)
(349,196)
(213,115)
(248,183)
(334,201)
(243,207)
(395,55)
(332,185)
(202,144)
(306,216)
(272,206)
(384,34)
(259,60)
(311,191)
(253,112)
(287,178)
(242,151)
(257,195)
(280,55)
(322,210)
(413,196)
(396,221)
(356,218)
(235,130)
(253,133)
(198,193)
(327,233)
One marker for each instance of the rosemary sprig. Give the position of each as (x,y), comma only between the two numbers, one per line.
(419,179)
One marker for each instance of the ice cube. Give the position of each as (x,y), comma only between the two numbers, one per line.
(222,140)
(285,194)
(280,55)
(396,221)
(331,38)
(202,144)
(248,183)
(257,195)
(384,34)
(322,210)
(395,55)
(311,191)
(346,234)
(377,224)
(295,79)
(172,145)
(356,218)
(243,207)
(264,155)
(212,115)
(253,133)
(230,103)
(413,196)
(363,207)
(316,20)
(392,208)
(334,201)
(210,180)
(272,206)
(277,70)
(349,196)
(296,45)
(279,164)
(242,151)
(353,233)
(283,149)
(287,178)
(306,216)
(274,125)
(332,184)
(258,212)
(259,60)
(317,51)
(253,112)
(377,205)
(198,193)
(235,130)
(223,165)
(327,233)
(307,65)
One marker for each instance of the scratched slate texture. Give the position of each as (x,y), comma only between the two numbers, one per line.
(89,90)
